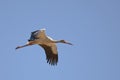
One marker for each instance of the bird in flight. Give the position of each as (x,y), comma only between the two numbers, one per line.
(47,43)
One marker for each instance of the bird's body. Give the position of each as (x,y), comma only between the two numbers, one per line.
(47,43)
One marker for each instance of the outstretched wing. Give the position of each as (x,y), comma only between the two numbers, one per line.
(37,34)
(33,35)
(51,53)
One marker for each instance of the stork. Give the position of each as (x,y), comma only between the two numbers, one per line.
(47,43)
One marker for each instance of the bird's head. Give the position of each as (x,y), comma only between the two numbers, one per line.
(63,41)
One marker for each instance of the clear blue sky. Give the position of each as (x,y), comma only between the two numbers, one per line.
(93,26)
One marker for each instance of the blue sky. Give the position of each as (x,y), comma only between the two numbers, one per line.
(91,25)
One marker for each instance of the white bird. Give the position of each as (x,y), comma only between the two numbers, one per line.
(48,44)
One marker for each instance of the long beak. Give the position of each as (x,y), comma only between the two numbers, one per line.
(69,43)
(18,47)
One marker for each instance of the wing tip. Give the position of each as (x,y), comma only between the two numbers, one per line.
(52,60)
